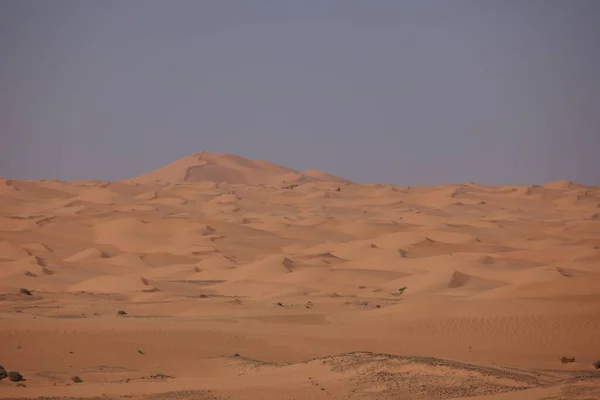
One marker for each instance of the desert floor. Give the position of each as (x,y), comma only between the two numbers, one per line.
(309,292)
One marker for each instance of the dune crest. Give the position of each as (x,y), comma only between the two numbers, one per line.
(231,169)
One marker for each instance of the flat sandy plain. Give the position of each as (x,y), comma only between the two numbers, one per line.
(258,289)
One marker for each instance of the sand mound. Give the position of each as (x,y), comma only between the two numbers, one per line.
(263,269)
(259,290)
(216,262)
(191,188)
(577,200)
(319,259)
(561,185)
(555,289)
(229,168)
(383,376)
(168,201)
(13,277)
(294,178)
(134,234)
(86,255)
(527,191)
(460,280)
(217,267)
(135,208)
(375,259)
(169,272)
(129,234)
(422,238)
(225,199)
(350,250)
(112,284)
(128,260)
(310,277)
(225,203)
(161,259)
(147,195)
(204,230)
(319,195)
(357,278)
(121,226)
(585,227)
(368,229)
(324,176)
(7,186)
(444,281)
(99,195)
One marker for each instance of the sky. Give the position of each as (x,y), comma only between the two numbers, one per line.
(407,92)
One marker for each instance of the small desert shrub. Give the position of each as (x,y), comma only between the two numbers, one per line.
(121,312)
(3,373)
(597,364)
(25,291)
(236,354)
(14,376)
(567,360)
(402,289)
(160,375)
(141,352)
(76,379)
(280,304)
(362,287)
(357,303)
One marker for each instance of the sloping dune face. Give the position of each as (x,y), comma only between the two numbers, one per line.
(218,277)
(231,169)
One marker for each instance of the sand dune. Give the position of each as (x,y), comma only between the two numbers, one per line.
(231,169)
(112,284)
(243,279)
(265,269)
(128,260)
(87,254)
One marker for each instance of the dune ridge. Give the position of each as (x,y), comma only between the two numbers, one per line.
(231,169)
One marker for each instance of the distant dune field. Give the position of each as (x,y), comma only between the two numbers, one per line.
(219,277)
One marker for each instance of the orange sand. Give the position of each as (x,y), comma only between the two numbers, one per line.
(238,284)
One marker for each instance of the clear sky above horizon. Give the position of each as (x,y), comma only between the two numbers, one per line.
(387,91)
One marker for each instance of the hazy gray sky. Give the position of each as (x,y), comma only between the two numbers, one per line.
(389,91)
